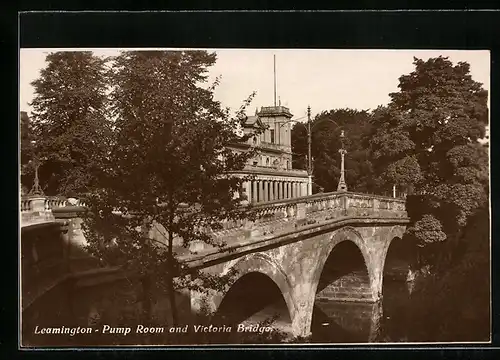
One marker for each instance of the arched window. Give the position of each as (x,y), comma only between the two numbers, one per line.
(267,161)
(288,164)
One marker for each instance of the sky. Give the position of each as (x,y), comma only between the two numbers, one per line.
(324,79)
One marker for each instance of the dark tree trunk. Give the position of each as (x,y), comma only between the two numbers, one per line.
(146,293)
(171,290)
(171,260)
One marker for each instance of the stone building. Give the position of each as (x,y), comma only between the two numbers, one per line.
(273,176)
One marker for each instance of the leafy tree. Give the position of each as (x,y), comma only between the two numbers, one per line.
(461,307)
(325,129)
(168,168)
(69,121)
(426,140)
(26,151)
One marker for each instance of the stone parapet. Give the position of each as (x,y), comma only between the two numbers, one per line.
(284,217)
(322,207)
(36,209)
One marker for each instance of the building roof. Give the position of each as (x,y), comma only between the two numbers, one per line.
(253,122)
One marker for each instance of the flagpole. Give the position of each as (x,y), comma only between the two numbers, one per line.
(274,80)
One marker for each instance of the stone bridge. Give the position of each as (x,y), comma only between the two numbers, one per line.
(331,246)
(325,246)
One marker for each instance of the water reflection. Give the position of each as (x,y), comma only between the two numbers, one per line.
(350,322)
(333,321)
(358,322)
(346,322)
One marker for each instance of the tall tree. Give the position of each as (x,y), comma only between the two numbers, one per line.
(426,139)
(69,121)
(168,166)
(26,154)
(325,129)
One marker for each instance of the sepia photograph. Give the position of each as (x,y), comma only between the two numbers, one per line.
(228,196)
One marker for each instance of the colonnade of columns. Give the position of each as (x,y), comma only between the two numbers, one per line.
(261,190)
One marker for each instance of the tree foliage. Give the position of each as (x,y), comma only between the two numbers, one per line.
(69,122)
(426,140)
(26,151)
(460,308)
(168,167)
(325,129)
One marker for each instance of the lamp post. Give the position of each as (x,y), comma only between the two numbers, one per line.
(342,186)
(309,158)
(36,189)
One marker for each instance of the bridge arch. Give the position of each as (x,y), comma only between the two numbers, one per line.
(259,267)
(345,234)
(396,260)
(396,253)
(395,232)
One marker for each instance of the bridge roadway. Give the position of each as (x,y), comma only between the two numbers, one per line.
(297,244)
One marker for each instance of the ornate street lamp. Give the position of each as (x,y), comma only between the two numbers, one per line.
(342,186)
(36,189)
(309,157)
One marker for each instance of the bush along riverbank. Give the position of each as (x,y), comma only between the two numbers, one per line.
(450,300)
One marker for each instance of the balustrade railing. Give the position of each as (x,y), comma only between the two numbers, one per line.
(260,168)
(25,205)
(31,204)
(54,202)
(272,217)
(279,215)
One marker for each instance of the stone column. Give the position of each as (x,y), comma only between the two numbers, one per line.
(271,191)
(288,188)
(280,190)
(236,194)
(255,193)
(248,190)
(276,195)
(304,189)
(266,190)
(261,190)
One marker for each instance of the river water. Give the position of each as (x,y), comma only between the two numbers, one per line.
(350,322)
